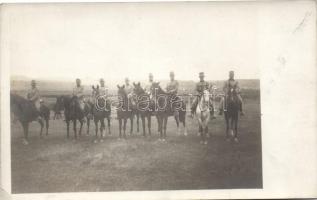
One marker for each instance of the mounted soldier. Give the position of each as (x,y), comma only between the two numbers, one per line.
(172,89)
(231,83)
(33,95)
(148,86)
(78,94)
(200,87)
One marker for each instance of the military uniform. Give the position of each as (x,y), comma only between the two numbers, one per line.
(33,95)
(230,84)
(172,87)
(78,91)
(200,87)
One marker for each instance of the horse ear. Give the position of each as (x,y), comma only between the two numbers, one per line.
(118,86)
(123,86)
(97,86)
(158,82)
(93,87)
(134,84)
(139,84)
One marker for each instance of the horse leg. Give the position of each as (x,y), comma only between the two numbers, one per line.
(25,126)
(131,127)
(81,126)
(42,125)
(102,128)
(143,125)
(88,125)
(227,127)
(165,125)
(149,124)
(176,116)
(120,127)
(96,130)
(75,128)
(109,131)
(185,128)
(159,121)
(67,124)
(236,129)
(47,123)
(124,127)
(138,122)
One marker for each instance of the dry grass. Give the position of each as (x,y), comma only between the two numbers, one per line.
(54,164)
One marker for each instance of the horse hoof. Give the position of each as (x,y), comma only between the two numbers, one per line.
(236,140)
(95,141)
(205,142)
(101,140)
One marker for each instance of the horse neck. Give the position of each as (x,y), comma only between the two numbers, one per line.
(203,102)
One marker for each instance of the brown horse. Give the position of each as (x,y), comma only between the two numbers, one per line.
(167,105)
(26,112)
(145,106)
(231,114)
(124,111)
(73,112)
(100,109)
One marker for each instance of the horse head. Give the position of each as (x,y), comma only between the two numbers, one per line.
(138,90)
(156,88)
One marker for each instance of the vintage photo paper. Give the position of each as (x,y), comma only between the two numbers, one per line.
(158,100)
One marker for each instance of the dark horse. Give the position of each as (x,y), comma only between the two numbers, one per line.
(231,114)
(25,111)
(100,109)
(73,112)
(167,105)
(57,111)
(144,105)
(124,111)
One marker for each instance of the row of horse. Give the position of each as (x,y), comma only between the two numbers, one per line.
(142,105)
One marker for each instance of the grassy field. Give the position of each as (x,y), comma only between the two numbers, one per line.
(55,164)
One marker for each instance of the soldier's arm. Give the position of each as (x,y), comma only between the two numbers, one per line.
(35,96)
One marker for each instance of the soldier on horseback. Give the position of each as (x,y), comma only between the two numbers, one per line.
(231,83)
(33,96)
(148,86)
(172,88)
(200,87)
(78,94)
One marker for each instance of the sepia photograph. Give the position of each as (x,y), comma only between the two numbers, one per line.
(158,100)
(158,96)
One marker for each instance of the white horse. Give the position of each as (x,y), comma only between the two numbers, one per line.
(203,115)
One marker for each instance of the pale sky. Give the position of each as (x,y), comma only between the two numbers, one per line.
(113,41)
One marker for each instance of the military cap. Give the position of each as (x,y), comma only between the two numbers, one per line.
(201,74)
(150,75)
(172,73)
